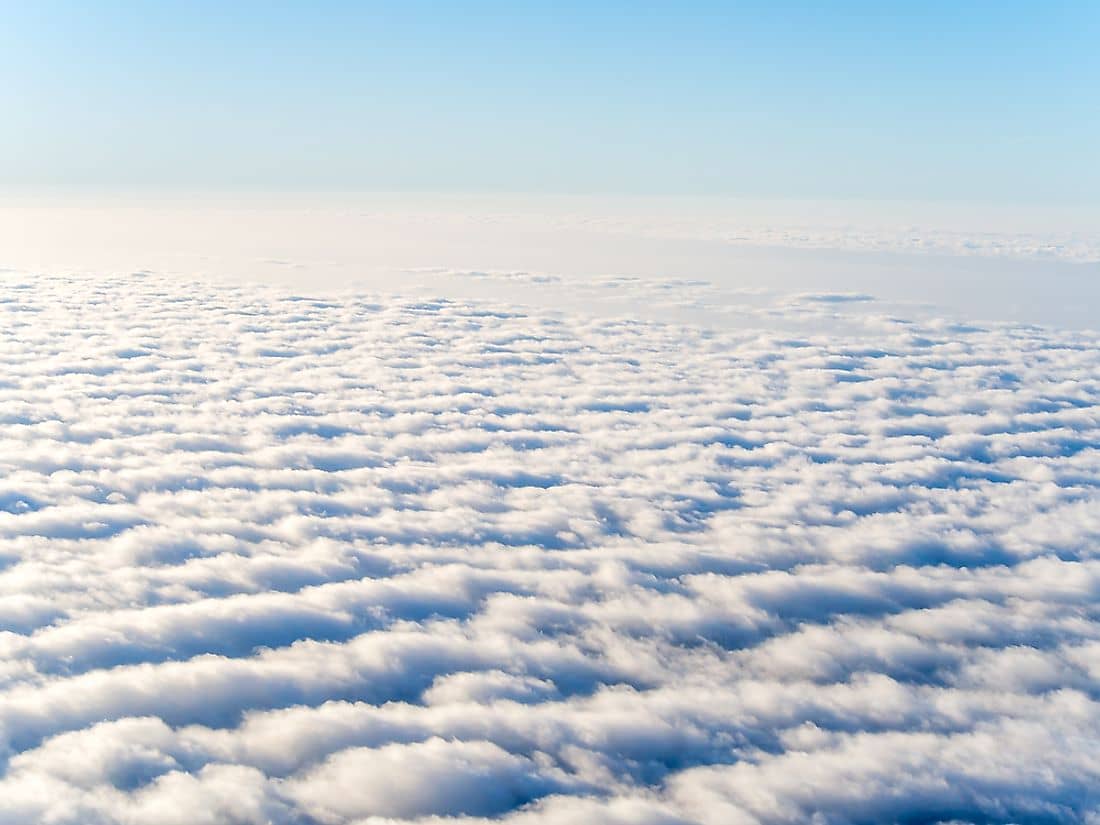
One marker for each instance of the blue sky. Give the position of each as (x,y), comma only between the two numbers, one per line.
(994,101)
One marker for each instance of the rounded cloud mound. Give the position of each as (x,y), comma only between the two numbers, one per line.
(270,558)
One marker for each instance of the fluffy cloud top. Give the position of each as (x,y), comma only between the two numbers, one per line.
(269,558)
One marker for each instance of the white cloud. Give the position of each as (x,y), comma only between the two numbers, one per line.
(370,559)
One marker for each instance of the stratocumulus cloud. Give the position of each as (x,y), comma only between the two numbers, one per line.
(364,559)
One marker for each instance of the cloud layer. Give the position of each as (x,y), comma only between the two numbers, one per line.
(363,559)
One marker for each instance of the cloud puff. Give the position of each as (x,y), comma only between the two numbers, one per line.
(368,559)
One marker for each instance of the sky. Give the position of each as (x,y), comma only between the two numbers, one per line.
(992,102)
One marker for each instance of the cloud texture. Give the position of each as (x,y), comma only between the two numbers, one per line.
(269,558)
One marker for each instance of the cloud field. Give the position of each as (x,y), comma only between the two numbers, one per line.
(268,558)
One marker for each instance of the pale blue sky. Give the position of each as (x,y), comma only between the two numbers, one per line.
(994,101)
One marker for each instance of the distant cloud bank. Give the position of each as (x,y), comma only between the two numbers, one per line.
(365,559)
